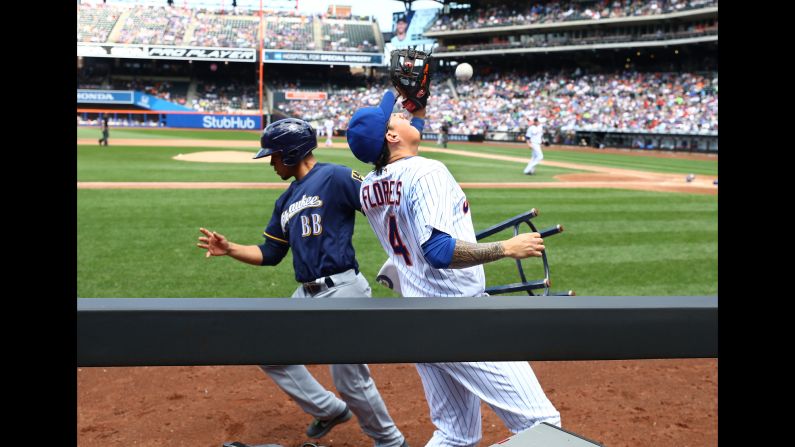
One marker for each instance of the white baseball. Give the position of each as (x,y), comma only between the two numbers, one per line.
(463,71)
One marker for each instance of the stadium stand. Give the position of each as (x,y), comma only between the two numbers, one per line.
(95,22)
(93,76)
(289,33)
(339,35)
(216,30)
(163,25)
(155,25)
(506,101)
(627,101)
(174,91)
(561,11)
(616,90)
(230,96)
(591,36)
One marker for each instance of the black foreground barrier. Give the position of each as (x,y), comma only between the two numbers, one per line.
(252,331)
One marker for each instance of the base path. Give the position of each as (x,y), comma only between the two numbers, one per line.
(594,177)
(620,403)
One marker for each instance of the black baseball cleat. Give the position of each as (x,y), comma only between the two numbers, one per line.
(319,428)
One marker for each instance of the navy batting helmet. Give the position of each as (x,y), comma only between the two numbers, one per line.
(292,137)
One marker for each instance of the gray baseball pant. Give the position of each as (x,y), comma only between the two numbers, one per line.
(353,381)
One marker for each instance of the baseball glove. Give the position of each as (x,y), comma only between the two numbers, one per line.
(410,73)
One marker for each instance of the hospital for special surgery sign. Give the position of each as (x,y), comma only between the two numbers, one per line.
(166,52)
(321,58)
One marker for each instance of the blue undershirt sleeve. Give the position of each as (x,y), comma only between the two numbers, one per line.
(272,252)
(418,123)
(438,249)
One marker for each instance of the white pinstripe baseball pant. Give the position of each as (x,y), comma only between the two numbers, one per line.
(454,392)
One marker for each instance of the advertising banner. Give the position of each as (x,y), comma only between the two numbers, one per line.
(321,58)
(433,136)
(208,121)
(166,52)
(87,96)
(150,102)
(304,96)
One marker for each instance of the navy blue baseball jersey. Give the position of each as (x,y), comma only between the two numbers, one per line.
(315,217)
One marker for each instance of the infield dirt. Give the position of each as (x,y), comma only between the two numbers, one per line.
(596,177)
(661,403)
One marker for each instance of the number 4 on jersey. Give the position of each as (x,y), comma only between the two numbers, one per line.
(396,242)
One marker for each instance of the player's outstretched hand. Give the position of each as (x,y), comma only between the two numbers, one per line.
(215,244)
(524,246)
(402,96)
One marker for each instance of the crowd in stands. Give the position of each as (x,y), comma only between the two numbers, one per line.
(92,76)
(175,92)
(172,25)
(345,94)
(593,36)
(289,33)
(339,106)
(160,25)
(626,101)
(560,11)
(565,101)
(95,22)
(212,30)
(228,97)
(348,37)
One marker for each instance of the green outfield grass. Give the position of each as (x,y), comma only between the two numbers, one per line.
(141,243)
(150,164)
(156,164)
(120,132)
(643,163)
(473,169)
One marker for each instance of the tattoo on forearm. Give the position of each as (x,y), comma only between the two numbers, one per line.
(467,254)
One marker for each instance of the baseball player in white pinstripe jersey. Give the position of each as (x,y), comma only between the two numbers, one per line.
(423,221)
(533,139)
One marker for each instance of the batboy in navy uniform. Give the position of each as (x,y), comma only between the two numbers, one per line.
(315,216)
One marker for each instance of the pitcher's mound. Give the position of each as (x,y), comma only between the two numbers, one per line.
(222,157)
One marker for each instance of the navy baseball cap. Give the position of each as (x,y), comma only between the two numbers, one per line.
(294,137)
(367,128)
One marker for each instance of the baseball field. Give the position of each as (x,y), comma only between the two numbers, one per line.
(135,242)
(633,226)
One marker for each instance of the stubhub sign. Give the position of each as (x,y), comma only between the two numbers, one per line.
(201,121)
(226,122)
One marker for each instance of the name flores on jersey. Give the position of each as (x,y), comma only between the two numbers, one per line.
(385,192)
